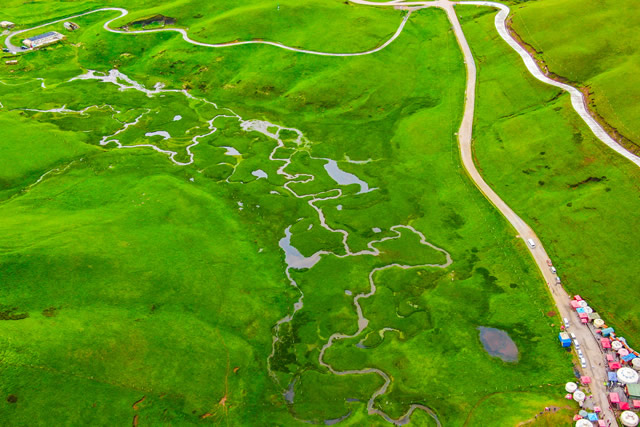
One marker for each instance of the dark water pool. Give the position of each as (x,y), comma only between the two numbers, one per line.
(498,343)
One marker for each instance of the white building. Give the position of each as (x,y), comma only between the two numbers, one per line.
(43,40)
(6,24)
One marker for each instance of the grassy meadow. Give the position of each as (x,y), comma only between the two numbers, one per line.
(593,44)
(125,276)
(580,197)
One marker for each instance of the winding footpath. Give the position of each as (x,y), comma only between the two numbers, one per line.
(590,345)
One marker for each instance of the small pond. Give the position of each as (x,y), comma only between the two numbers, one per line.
(498,344)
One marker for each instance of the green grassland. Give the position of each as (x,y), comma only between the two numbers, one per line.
(593,44)
(129,276)
(579,196)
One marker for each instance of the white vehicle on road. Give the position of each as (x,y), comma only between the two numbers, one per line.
(553,269)
(531,243)
(576,344)
(583,362)
(567,324)
(573,336)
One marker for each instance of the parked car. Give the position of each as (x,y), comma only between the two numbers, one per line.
(531,243)
(558,280)
(4,49)
(583,362)
(24,47)
(549,263)
(566,323)
(553,270)
(580,355)
(573,336)
(576,343)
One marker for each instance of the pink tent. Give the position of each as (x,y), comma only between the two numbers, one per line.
(636,403)
(623,352)
(606,343)
(575,304)
(614,398)
(585,380)
(624,406)
(568,396)
(597,409)
(583,315)
(577,298)
(577,417)
(584,320)
(614,366)
(601,423)
(609,358)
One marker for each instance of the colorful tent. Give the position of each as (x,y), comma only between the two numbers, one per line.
(607,331)
(614,366)
(629,419)
(616,345)
(614,398)
(629,357)
(636,403)
(584,320)
(602,423)
(624,406)
(612,376)
(609,358)
(597,409)
(583,303)
(623,352)
(606,343)
(577,298)
(568,396)
(583,315)
(585,380)
(575,304)
(592,417)
(580,310)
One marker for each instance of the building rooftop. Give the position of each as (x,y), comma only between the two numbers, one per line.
(44,35)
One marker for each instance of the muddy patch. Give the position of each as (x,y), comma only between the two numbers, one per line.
(498,344)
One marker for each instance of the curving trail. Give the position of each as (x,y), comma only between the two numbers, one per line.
(185,35)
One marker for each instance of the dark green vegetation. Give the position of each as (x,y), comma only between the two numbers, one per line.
(580,197)
(601,53)
(140,282)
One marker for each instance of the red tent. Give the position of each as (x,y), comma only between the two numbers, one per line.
(583,315)
(597,409)
(578,298)
(614,366)
(606,342)
(624,406)
(614,398)
(584,320)
(585,380)
(609,358)
(636,403)
(601,423)
(575,304)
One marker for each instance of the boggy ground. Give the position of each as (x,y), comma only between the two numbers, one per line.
(138,281)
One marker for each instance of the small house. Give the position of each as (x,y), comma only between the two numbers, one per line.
(42,40)
(11,62)
(633,391)
(7,25)
(71,26)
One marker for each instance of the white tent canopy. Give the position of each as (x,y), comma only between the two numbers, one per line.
(616,345)
(629,419)
(579,396)
(627,375)
(598,323)
(636,363)
(570,387)
(584,423)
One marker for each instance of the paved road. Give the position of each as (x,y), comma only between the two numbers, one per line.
(185,35)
